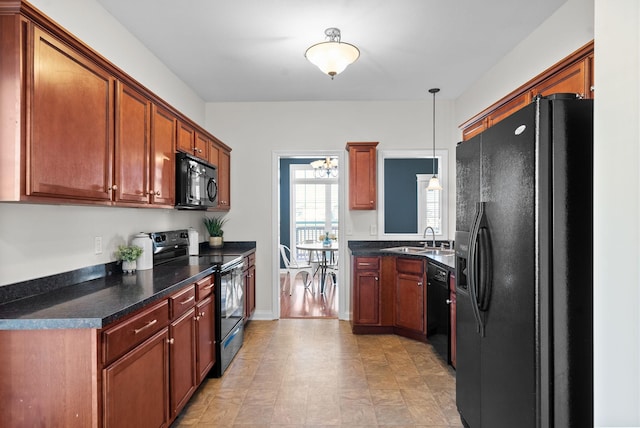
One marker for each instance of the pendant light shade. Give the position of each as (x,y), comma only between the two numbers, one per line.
(332,56)
(434,183)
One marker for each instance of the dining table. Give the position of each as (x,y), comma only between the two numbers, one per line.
(325,252)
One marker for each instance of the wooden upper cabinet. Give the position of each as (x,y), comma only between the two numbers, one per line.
(214,154)
(573,74)
(572,79)
(133,117)
(362,175)
(224,180)
(192,142)
(163,166)
(71,124)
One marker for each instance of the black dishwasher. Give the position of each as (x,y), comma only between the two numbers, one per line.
(438,309)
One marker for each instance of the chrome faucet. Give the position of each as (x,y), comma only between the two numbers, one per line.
(433,236)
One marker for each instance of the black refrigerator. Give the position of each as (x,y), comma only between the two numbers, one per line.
(524,281)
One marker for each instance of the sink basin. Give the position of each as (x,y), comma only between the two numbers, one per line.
(428,251)
(407,250)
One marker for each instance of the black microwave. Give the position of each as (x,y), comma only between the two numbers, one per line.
(196,183)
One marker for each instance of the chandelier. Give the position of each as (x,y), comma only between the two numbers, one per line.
(332,56)
(327,167)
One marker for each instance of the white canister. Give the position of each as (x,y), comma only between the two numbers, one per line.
(145,261)
(194,242)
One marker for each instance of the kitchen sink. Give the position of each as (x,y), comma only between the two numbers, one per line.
(406,250)
(421,250)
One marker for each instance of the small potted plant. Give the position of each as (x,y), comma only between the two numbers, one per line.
(128,254)
(214,227)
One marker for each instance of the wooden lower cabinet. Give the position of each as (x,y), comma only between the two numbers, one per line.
(136,386)
(249,276)
(366,291)
(182,353)
(411,313)
(205,332)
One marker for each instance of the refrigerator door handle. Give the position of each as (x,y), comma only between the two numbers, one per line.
(473,267)
(485,268)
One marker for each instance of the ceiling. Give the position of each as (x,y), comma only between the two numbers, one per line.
(253,50)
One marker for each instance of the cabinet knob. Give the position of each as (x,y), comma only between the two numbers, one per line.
(171,341)
(419,283)
(375,277)
(157,193)
(114,187)
(449,301)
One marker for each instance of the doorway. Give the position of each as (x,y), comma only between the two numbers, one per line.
(308,206)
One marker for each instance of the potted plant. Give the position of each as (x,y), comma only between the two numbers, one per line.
(128,254)
(214,227)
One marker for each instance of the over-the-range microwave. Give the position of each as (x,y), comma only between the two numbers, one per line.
(196,183)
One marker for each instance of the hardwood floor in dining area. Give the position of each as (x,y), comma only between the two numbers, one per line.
(316,373)
(308,302)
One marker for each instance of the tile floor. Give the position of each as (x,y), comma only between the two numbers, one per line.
(316,373)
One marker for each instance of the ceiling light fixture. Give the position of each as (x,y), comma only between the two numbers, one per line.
(325,168)
(434,183)
(332,56)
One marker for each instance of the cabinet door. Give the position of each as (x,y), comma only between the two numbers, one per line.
(202,146)
(206,353)
(573,79)
(135,387)
(186,139)
(131,183)
(70,149)
(410,302)
(183,360)
(224,180)
(250,292)
(162,162)
(362,176)
(366,298)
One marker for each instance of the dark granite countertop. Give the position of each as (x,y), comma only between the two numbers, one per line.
(377,248)
(97,296)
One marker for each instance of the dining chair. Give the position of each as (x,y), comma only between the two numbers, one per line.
(293,268)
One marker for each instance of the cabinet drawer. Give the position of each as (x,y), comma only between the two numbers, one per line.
(367,263)
(182,301)
(406,265)
(205,287)
(127,334)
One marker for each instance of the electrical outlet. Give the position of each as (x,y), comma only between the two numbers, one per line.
(373,230)
(97,245)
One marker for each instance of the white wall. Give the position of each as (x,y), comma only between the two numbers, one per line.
(97,28)
(617,213)
(40,240)
(256,130)
(564,32)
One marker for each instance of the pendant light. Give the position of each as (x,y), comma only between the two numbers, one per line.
(332,56)
(434,183)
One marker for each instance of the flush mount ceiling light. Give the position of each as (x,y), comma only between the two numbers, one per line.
(325,168)
(434,183)
(332,56)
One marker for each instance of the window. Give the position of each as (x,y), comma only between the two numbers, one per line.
(314,206)
(407,208)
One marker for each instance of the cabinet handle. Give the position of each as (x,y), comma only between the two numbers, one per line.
(147,325)
(184,302)
(170,341)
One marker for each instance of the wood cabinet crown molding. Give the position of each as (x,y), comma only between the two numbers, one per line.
(573,73)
